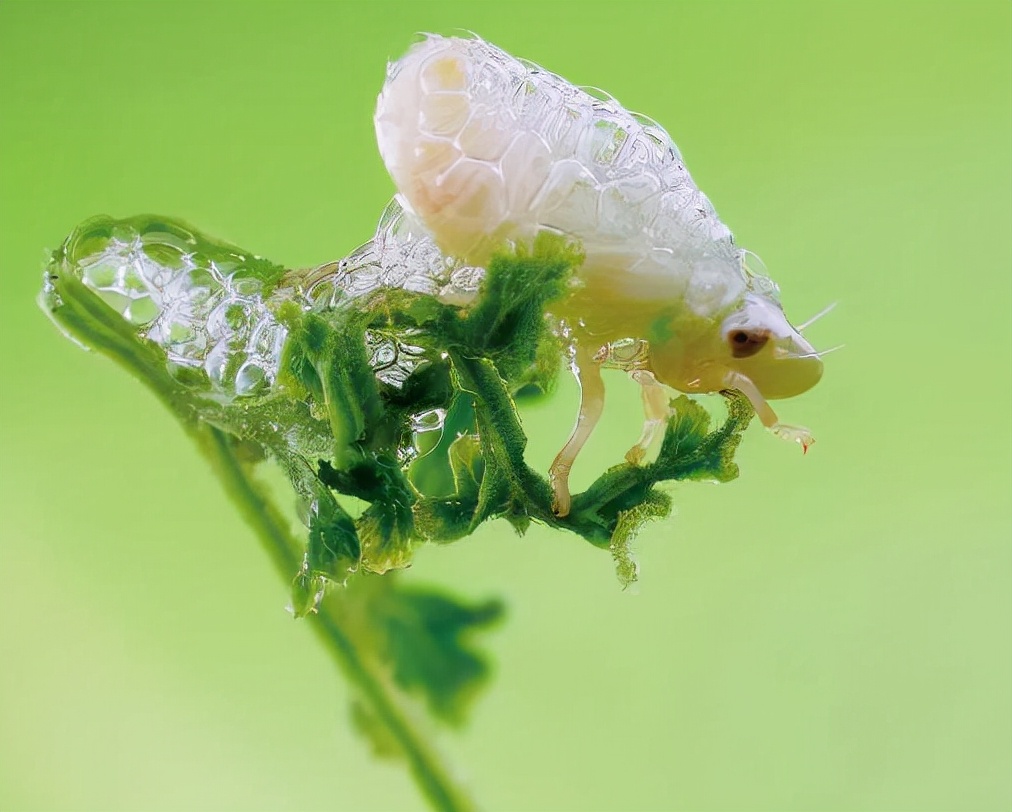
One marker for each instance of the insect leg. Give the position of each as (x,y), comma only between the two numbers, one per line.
(655,412)
(763,410)
(588,374)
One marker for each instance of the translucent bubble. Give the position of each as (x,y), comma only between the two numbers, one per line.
(142,311)
(100,275)
(384,355)
(123,233)
(216,364)
(251,380)
(431,420)
(119,302)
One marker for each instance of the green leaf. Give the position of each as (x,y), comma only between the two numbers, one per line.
(386,531)
(386,528)
(689,451)
(507,323)
(628,524)
(333,549)
(509,487)
(426,636)
(468,466)
(307,592)
(450,518)
(539,379)
(325,358)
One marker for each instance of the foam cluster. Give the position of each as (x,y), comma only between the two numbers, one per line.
(212,307)
(485,147)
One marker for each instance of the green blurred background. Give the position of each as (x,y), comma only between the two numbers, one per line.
(827,632)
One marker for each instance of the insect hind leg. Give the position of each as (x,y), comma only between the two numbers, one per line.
(655,412)
(588,374)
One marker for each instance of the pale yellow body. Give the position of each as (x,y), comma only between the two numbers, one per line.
(485,148)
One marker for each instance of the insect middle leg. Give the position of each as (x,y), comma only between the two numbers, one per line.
(588,374)
(655,413)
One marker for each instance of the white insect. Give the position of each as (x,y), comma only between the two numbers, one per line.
(486,148)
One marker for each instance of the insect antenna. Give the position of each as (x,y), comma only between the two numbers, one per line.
(802,327)
(820,353)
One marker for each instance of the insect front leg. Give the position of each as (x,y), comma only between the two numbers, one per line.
(655,412)
(588,374)
(763,410)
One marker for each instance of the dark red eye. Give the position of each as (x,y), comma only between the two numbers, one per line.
(745,344)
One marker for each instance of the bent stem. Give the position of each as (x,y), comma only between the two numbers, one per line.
(430,774)
(83,317)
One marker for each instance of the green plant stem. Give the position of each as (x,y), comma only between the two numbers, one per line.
(89,321)
(430,774)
